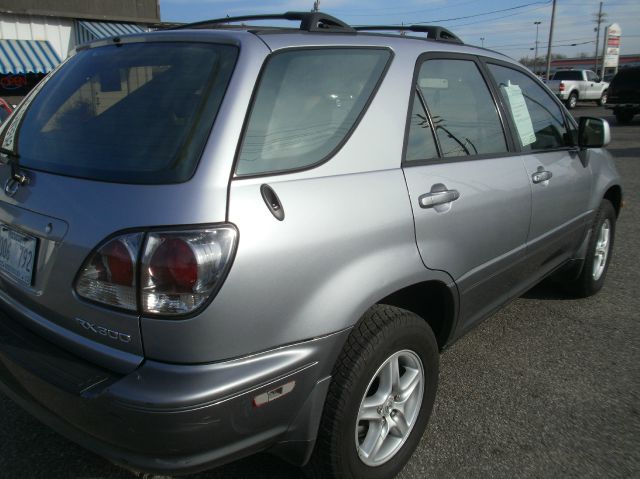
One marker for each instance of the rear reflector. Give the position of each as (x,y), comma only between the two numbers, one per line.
(277,393)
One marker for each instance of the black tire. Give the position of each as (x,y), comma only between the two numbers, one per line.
(587,283)
(381,333)
(572,101)
(603,98)
(623,117)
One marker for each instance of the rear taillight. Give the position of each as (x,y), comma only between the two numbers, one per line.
(109,274)
(181,270)
(561,87)
(160,273)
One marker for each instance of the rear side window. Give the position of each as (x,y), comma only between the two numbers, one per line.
(538,118)
(132,113)
(462,109)
(306,104)
(421,144)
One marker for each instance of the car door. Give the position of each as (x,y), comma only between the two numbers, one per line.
(470,194)
(560,179)
(593,86)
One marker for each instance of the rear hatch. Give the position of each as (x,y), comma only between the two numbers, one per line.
(625,87)
(109,142)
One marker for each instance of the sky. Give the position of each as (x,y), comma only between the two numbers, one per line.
(506,25)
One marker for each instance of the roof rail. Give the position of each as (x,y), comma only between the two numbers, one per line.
(433,32)
(309,21)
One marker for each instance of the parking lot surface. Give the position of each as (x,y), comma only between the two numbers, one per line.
(548,387)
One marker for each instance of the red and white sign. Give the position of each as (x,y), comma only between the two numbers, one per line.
(612,46)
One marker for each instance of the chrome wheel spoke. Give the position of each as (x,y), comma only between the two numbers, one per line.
(408,383)
(399,425)
(371,407)
(374,439)
(389,376)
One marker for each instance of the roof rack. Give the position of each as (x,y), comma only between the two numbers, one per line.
(309,21)
(433,32)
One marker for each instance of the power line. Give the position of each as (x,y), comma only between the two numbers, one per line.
(554,45)
(475,15)
(395,11)
(497,18)
(485,13)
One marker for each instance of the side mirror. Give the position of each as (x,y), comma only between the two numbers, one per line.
(593,132)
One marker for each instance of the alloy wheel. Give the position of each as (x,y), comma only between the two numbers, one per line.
(390,408)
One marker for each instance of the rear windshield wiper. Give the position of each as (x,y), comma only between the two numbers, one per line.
(13,161)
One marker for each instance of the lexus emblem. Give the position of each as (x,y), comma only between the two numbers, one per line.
(11,186)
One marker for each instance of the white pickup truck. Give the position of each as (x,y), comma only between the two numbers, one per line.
(573,85)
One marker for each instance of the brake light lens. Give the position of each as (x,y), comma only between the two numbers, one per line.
(178,271)
(181,270)
(561,87)
(109,274)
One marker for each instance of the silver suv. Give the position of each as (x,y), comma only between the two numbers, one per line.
(216,241)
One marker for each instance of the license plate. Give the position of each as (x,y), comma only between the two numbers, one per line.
(17,254)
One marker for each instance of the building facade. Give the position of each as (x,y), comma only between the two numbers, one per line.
(36,35)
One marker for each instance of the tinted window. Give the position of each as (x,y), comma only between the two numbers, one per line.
(307,102)
(133,113)
(538,118)
(462,109)
(567,75)
(627,78)
(421,144)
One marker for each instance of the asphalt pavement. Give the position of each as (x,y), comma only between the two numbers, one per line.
(547,387)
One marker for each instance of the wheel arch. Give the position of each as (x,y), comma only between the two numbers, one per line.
(434,301)
(614,195)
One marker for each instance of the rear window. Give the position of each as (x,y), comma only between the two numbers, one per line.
(307,103)
(132,113)
(568,75)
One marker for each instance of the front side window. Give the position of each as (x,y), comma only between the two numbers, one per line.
(129,113)
(538,118)
(306,104)
(462,109)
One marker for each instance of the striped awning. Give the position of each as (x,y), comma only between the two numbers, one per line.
(88,31)
(27,56)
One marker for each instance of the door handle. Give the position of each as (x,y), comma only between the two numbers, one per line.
(541,175)
(435,198)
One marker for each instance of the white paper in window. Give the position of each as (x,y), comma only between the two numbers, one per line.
(520,114)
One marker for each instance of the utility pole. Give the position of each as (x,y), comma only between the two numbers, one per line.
(482,40)
(316,6)
(553,17)
(599,18)
(535,59)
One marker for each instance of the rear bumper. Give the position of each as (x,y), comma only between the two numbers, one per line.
(168,418)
